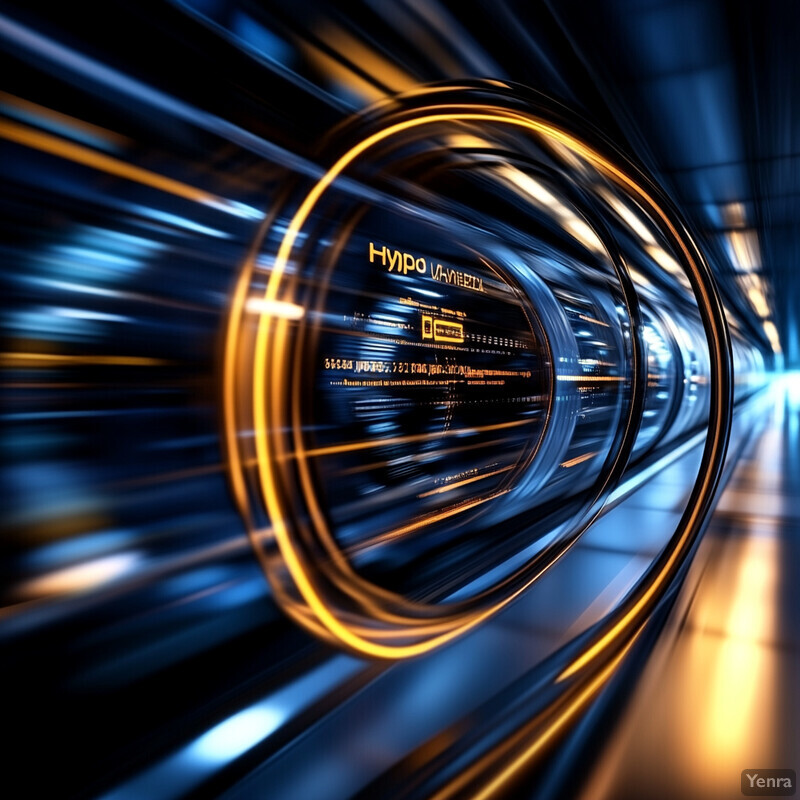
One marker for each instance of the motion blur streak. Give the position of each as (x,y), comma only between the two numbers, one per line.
(529,740)
(82,155)
(84,576)
(61,123)
(117,82)
(370,374)
(238,734)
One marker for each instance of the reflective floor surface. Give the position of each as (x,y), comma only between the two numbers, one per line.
(721,693)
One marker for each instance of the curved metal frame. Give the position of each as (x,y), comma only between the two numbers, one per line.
(391,629)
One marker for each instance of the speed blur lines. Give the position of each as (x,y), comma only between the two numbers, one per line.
(53,145)
(512,755)
(82,577)
(589,379)
(573,462)
(57,122)
(369,444)
(44,360)
(458,484)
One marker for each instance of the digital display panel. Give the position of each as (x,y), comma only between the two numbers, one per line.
(430,386)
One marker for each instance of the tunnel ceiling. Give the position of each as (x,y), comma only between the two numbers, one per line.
(704,93)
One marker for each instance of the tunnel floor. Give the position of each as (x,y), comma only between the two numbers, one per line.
(721,694)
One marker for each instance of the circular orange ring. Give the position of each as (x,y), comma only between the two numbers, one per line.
(271,338)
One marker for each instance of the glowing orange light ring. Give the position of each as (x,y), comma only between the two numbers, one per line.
(271,338)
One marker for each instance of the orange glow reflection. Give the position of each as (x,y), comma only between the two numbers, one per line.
(728,725)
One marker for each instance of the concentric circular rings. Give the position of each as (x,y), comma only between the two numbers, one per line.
(371,620)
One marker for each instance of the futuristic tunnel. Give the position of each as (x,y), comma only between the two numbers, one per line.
(400,399)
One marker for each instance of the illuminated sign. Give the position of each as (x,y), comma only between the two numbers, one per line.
(442,330)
